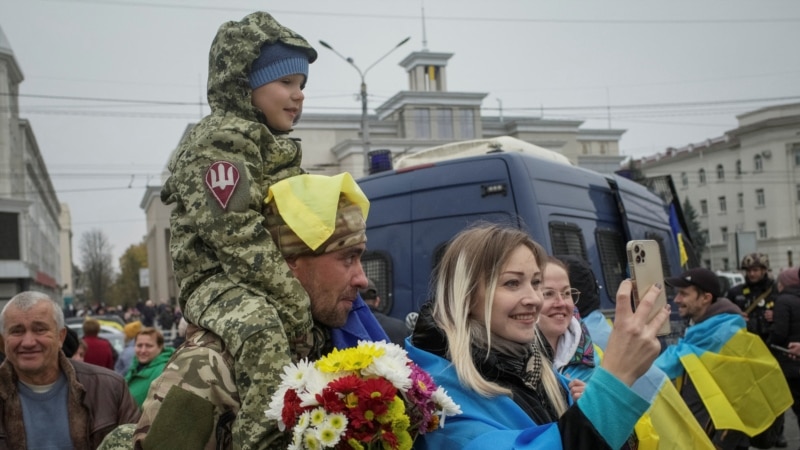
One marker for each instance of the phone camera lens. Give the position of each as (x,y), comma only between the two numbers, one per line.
(638,259)
(636,249)
(643,254)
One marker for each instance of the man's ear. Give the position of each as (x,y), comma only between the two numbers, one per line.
(292,262)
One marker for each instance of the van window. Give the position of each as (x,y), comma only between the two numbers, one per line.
(613,261)
(378,268)
(567,239)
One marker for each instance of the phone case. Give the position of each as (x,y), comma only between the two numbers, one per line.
(644,261)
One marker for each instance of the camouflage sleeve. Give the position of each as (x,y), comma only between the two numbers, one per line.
(226,201)
(196,394)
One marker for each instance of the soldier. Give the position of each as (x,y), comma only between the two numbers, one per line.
(756,296)
(197,393)
(233,280)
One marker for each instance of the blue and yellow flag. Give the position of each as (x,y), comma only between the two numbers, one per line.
(668,424)
(738,380)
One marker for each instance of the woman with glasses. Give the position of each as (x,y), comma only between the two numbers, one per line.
(566,340)
(478,340)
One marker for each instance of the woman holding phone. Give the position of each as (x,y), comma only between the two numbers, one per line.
(478,340)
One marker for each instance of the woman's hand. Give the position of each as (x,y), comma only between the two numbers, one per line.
(576,388)
(633,345)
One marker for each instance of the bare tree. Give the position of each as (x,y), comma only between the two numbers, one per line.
(96,262)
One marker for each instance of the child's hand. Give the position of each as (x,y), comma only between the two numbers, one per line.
(576,388)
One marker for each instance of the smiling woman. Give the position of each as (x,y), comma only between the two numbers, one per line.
(478,340)
(151,358)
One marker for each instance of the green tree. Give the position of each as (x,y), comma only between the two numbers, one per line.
(699,239)
(98,272)
(126,290)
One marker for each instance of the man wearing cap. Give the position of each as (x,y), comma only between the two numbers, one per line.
(396,329)
(756,296)
(718,355)
(318,224)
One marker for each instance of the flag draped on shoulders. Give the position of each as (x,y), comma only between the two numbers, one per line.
(737,378)
(668,424)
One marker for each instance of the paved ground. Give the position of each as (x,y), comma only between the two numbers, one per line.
(791,432)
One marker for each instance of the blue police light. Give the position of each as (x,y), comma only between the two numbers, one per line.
(380,161)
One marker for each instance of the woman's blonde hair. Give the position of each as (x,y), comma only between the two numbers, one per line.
(470,265)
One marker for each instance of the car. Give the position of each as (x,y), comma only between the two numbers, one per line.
(728,280)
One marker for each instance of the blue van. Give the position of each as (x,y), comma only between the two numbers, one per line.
(416,209)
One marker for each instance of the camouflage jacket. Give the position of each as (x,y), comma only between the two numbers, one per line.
(197,394)
(219,178)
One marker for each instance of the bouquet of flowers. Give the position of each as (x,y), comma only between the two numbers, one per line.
(368,396)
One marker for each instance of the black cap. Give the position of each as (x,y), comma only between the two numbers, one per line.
(371,292)
(698,277)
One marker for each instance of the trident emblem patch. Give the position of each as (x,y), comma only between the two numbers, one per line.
(222,178)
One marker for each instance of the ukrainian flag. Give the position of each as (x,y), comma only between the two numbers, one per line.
(668,424)
(739,381)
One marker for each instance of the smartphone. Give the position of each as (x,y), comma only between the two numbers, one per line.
(781,349)
(644,262)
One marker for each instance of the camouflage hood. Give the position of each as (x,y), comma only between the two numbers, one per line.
(235,47)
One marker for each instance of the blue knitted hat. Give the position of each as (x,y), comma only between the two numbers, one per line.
(275,61)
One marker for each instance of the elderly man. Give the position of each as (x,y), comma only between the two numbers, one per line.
(47,400)
(318,224)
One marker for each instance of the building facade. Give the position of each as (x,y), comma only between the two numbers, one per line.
(30,214)
(744,186)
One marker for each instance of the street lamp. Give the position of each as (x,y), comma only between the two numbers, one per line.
(362,74)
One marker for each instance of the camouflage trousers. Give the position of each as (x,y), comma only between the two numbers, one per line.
(254,335)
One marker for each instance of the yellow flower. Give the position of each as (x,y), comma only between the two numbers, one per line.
(349,360)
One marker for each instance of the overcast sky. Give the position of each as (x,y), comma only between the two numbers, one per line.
(110,85)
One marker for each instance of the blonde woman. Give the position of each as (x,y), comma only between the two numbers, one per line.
(478,341)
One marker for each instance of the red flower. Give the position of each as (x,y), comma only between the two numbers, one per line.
(378,389)
(291,408)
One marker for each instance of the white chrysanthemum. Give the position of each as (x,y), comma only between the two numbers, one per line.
(295,375)
(446,404)
(328,436)
(302,422)
(297,439)
(315,383)
(393,368)
(337,421)
(318,416)
(276,407)
(310,440)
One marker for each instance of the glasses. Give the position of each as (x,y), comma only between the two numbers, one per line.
(550,295)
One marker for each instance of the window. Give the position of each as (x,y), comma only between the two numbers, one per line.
(613,260)
(738,167)
(567,239)
(703,207)
(9,229)
(726,264)
(422,123)
(797,187)
(467,122)
(585,148)
(762,230)
(740,198)
(701,174)
(758,163)
(724,232)
(445,123)
(723,206)
(684,179)
(603,148)
(720,172)
(378,268)
(760,199)
(796,152)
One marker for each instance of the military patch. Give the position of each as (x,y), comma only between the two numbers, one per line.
(222,178)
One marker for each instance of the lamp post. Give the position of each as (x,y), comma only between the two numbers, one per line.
(363,74)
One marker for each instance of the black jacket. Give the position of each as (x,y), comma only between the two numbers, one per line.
(577,432)
(786,328)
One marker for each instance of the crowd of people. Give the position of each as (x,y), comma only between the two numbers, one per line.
(268,261)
